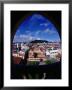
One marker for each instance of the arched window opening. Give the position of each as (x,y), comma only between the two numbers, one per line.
(37,40)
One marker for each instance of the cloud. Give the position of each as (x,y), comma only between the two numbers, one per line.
(27,31)
(44,24)
(49,31)
(30,38)
(38,39)
(23,38)
(26,37)
(37,32)
(38,16)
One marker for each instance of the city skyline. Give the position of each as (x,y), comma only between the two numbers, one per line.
(36,27)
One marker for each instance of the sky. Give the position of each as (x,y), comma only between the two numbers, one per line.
(36,27)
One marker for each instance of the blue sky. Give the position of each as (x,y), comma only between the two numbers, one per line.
(36,27)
